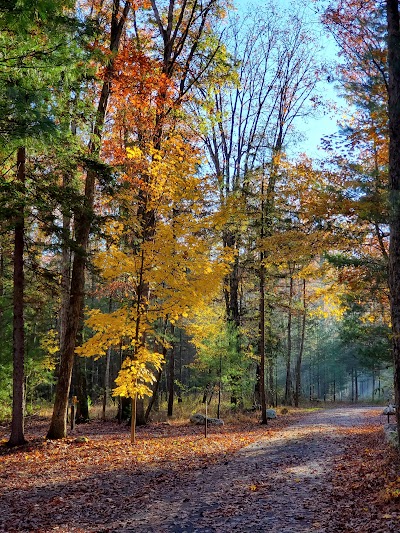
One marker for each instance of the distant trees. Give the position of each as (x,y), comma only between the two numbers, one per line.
(368,38)
(247,123)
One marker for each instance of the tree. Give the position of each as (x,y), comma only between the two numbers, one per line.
(161,278)
(359,30)
(250,122)
(36,61)
(17,425)
(158,76)
(393,26)
(370,45)
(83,223)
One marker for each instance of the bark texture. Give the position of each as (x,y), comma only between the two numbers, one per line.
(394,187)
(17,424)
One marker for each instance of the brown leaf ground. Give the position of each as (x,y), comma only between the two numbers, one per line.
(366,484)
(288,476)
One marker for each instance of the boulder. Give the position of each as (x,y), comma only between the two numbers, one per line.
(199,420)
(389,410)
(391,435)
(271,413)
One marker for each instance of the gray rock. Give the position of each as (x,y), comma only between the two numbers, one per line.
(271,413)
(391,435)
(389,410)
(199,420)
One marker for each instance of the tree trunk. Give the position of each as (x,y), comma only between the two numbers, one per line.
(301,350)
(80,385)
(219,387)
(352,385)
(106,384)
(65,275)
(271,393)
(257,391)
(2,270)
(124,409)
(140,412)
(133,411)
(288,387)
(394,188)
(83,223)
(82,408)
(171,377)
(231,290)
(355,385)
(180,368)
(261,324)
(17,425)
(154,396)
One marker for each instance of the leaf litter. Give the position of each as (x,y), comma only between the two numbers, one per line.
(313,473)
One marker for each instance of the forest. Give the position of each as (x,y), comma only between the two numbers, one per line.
(168,235)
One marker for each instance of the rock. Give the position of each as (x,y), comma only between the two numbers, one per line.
(81,439)
(271,413)
(391,435)
(389,410)
(199,420)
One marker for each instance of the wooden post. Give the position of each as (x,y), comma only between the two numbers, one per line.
(133,420)
(205,423)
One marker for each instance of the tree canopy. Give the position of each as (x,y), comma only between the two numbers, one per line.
(157,233)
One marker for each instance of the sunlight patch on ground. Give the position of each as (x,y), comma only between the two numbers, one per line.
(308,469)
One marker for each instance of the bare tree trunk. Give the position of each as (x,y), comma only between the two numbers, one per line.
(140,412)
(219,387)
(180,368)
(133,417)
(301,350)
(355,385)
(17,424)
(271,395)
(106,384)
(2,291)
(107,373)
(80,385)
(261,325)
(82,408)
(394,188)
(288,387)
(352,385)
(83,223)
(257,391)
(171,376)
(65,279)
(154,395)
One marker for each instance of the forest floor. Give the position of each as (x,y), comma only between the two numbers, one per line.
(328,471)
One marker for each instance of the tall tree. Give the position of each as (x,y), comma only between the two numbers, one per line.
(250,121)
(82,226)
(158,75)
(17,425)
(36,62)
(393,25)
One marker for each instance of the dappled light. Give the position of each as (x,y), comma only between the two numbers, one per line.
(241,474)
(199,306)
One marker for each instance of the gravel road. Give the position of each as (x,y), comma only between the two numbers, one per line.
(279,484)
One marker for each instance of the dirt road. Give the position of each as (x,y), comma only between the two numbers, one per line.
(277,485)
